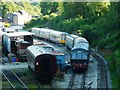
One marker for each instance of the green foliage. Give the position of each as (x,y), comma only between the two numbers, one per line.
(114,63)
(111,41)
(89,33)
(117,54)
(41,22)
(60,8)
(31,8)
(72,9)
(52,15)
(10,6)
(48,7)
(3,9)
(6,24)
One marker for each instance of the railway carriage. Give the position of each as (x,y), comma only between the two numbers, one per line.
(60,60)
(51,35)
(41,32)
(70,40)
(58,37)
(42,62)
(36,31)
(44,33)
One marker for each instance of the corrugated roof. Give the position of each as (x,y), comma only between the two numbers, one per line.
(15,34)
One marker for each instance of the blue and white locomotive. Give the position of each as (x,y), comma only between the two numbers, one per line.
(80,51)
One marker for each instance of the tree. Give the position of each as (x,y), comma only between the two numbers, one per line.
(48,7)
(73,9)
(12,6)
(4,9)
(95,10)
(60,8)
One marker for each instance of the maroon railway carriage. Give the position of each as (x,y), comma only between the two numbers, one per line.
(42,62)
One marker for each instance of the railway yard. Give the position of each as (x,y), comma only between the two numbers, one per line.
(17,76)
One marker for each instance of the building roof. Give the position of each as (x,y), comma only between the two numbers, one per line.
(15,34)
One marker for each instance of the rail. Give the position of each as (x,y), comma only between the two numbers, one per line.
(14,80)
(83,82)
(45,85)
(77,85)
(102,74)
(70,87)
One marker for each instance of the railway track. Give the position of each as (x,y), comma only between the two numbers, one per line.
(83,81)
(75,83)
(102,72)
(46,86)
(71,84)
(14,81)
(43,86)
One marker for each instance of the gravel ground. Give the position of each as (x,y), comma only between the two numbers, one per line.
(91,74)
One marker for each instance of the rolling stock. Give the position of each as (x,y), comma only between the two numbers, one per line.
(80,52)
(79,46)
(49,34)
(70,40)
(44,61)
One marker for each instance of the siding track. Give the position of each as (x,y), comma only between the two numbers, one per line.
(14,80)
(75,83)
(102,72)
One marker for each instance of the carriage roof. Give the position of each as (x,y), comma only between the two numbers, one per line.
(50,30)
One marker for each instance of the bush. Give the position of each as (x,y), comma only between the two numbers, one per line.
(117,54)
(6,24)
(53,15)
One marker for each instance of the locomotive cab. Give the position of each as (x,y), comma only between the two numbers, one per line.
(79,59)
